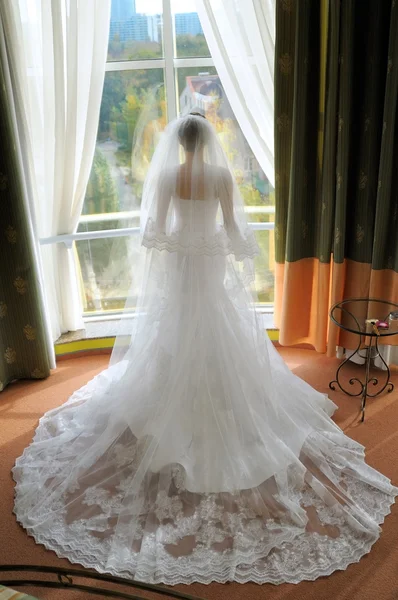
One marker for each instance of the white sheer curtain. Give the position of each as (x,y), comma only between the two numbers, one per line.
(241,38)
(390,355)
(57,53)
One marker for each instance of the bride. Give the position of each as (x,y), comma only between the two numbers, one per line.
(197,456)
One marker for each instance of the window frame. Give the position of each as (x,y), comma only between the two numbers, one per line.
(170,64)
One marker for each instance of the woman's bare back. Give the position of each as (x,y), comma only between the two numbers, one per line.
(201,182)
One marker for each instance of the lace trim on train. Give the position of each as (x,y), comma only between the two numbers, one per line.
(191,243)
(227,538)
(261,552)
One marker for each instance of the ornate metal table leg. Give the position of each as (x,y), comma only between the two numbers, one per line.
(372,352)
(353,380)
(365,385)
(388,384)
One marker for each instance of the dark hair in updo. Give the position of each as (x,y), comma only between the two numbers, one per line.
(192,133)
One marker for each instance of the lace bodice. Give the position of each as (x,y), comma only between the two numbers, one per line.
(196,230)
(213,225)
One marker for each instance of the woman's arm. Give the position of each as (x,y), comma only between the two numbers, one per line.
(226,200)
(163,203)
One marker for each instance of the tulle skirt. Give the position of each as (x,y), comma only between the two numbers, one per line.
(200,457)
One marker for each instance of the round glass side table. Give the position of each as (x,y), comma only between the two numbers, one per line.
(371,320)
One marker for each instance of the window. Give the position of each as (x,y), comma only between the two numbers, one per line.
(158,66)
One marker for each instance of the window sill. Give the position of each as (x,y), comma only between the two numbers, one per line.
(99,336)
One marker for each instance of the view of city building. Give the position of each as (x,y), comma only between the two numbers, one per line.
(122,9)
(127,24)
(188,24)
(202,91)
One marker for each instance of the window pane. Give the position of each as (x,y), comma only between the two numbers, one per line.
(136,30)
(201,89)
(133,112)
(189,37)
(105,273)
(115,220)
(265,266)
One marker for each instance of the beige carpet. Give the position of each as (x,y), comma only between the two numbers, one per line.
(375,576)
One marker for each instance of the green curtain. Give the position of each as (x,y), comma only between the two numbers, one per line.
(297,72)
(23,350)
(336,159)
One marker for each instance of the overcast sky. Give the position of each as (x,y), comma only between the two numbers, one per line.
(155,6)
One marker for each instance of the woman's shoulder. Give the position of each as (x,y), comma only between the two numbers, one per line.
(220,173)
(223,179)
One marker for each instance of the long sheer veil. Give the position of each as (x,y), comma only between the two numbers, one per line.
(188,158)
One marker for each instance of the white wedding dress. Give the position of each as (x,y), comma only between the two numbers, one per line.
(199,456)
